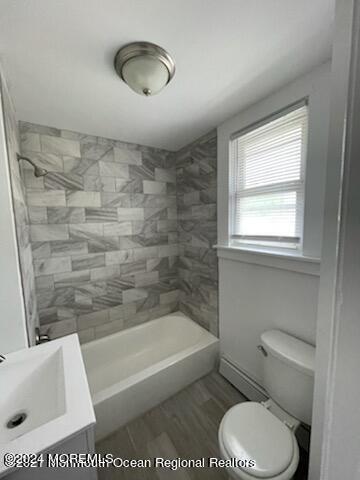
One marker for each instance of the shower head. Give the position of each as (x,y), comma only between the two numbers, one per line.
(38,171)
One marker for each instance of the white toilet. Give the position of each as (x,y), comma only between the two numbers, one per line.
(265,432)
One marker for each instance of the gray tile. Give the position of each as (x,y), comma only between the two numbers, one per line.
(40,249)
(156,201)
(122,312)
(30,141)
(169,297)
(147,228)
(134,294)
(101,215)
(115,199)
(32,182)
(48,266)
(52,198)
(145,253)
(60,146)
(138,267)
(92,289)
(66,181)
(104,273)
(118,228)
(114,169)
(71,278)
(92,319)
(130,214)
(130,157)
(86,231)
(37,215)
(43,233)
(66,215)
(144,279)
(68,247)
(168,250)
(82,262)
(103,244)
(154,187)
(81,166)
(141,172)
(95,151)
(26,127)
(83,199)
(119,257)
(99,184)
(107,301)
(45,282)
(165,175)
(128,186)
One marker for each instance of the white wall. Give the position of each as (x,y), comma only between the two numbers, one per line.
(257,291)
(255,298)
(12,321)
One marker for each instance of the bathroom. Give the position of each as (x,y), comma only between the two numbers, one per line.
(179,239)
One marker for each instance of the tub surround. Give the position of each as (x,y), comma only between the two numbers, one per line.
(103,230)
(20,212)
(196,176)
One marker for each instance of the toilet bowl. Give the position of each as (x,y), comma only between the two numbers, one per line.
(250,431)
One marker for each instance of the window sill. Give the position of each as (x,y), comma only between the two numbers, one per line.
(270,258)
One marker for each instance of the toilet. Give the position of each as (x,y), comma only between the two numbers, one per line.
(265,432)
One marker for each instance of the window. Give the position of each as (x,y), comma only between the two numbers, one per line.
(267,180)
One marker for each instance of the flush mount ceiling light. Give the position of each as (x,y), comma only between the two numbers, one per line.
(145,67)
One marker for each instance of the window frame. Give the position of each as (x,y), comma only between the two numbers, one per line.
(280,243)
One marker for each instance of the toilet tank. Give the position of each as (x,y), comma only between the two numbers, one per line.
(289,373)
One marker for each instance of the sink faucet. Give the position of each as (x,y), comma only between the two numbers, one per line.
(41,337)
(2,358)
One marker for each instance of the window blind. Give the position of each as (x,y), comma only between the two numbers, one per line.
(268,168)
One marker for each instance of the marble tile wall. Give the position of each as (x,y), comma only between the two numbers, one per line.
(103,230)
(20,213)
(196,176)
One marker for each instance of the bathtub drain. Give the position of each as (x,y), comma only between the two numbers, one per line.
(16,420)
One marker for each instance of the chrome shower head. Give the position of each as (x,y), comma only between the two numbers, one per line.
(38,171)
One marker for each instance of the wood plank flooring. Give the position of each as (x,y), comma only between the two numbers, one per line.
(184,426)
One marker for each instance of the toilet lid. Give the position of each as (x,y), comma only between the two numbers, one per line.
(250,431)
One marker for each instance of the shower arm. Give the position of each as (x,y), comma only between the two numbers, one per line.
(38,171)
(27,159)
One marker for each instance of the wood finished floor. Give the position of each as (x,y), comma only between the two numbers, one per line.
(185,426)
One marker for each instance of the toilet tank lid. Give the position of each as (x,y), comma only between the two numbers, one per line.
(289,349)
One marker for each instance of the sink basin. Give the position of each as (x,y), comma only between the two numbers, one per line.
(45,397)
(34,388)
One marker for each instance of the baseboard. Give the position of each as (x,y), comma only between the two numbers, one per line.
(254,392)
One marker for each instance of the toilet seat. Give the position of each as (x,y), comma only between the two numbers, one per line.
(249,431)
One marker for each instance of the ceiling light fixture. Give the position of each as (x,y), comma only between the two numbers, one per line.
(145,67)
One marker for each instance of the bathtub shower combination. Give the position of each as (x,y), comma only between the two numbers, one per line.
(132,371)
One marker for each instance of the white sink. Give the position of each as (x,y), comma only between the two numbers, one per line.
(47,387)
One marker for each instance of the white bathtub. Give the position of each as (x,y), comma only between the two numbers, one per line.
(134,370)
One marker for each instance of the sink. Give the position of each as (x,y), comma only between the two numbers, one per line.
(34,389)
(45,397)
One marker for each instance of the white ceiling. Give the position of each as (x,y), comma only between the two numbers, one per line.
(58,58)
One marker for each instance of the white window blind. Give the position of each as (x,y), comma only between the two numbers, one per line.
(268,169)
